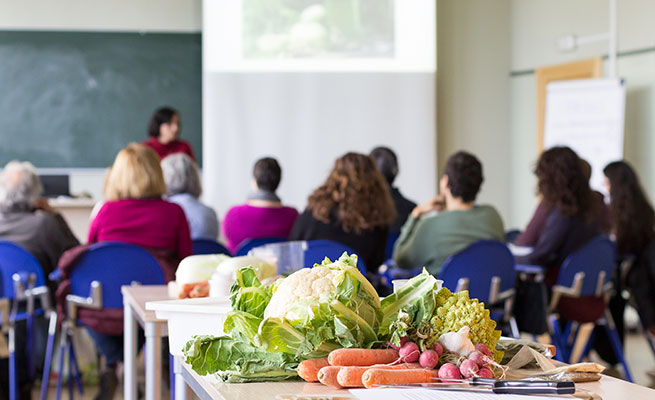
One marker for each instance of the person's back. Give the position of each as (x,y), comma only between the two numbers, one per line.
(440,236)
(203,222)
(263,215)
(387,164)
(428,240)
(251,222)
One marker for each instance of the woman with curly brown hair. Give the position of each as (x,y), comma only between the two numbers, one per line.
(352,207)
(573,217)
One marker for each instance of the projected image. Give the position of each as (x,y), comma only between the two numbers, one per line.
(323,29)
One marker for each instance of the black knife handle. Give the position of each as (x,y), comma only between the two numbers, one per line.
(533,387)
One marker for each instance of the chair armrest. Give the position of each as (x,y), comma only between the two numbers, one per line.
(55,275)
(93,302)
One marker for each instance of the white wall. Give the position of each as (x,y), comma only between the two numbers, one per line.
(473,95)
(102,15)
(535,27)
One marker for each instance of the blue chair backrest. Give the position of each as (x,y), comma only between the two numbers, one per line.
(317,250)
(208,246)
(391,241)
(14,259)
(248,244)
(480,262)
(114,265)
(597,255)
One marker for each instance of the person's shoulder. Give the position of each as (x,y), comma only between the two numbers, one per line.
(290,210)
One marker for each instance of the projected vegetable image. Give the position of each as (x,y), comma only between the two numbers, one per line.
(332,29)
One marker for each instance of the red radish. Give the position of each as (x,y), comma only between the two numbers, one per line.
(403,340)
(478,358)
(468,369)
(409,352)
(438,348)
(485,373)
(482,348)
(449,371)
(429,359)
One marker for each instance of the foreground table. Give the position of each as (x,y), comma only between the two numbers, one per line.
(134,301)
(208,388)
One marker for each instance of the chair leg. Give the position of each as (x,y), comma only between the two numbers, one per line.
(29,346)
(171,374)
(556,338)
(587,347)
(45,380)
(62,355)
(616,344)
(76,370)
(71,377)
(12,363)
(514,329)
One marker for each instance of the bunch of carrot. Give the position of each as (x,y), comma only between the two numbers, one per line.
(351,368)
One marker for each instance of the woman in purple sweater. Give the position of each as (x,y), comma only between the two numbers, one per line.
(263,215)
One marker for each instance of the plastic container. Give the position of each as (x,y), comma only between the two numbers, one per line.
(189,317)
(288,257)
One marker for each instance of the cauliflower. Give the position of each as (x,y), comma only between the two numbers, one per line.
(198,268)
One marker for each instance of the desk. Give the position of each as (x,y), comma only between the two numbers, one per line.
(208,388)
(77,213)
(134,303)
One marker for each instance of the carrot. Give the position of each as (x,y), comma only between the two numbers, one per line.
(328,376)
(352,376)
(308,369)
(375,376)
(362,357)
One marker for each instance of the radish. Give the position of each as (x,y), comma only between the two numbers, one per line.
(429,359)
(485,373)
(482,348)
(403,340)
(438,348)
(409,352)
(449,371)
(468,368)
(478,358)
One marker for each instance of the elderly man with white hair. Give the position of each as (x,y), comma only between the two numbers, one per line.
(27,220)
(183,186)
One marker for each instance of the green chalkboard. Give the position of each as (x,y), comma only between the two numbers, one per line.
(74,99)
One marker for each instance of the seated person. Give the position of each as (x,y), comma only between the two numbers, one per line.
(27,220)
(263,215)
(134,212)
(572,214)
(183,183)
(428,239)
(387,163)
(352,207)
(164,132)
(536,225)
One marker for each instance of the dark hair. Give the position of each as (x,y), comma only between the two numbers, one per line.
(162,115)
(267,174)
(633,217)
(386,161)
(464,173)
(359,194)
(562,182)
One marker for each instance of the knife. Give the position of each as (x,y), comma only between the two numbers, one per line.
(496,386)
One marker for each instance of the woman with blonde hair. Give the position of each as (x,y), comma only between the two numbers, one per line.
(135,212)
(352,207)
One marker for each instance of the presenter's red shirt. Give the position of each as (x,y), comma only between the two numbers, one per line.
(164,150)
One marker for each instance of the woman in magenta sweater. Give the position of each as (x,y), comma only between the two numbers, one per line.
(136,213)
(263,215)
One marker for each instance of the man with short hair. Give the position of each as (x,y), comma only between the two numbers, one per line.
(387,163)
(428,239)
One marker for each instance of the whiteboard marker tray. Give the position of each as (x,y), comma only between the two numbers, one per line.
(189,317)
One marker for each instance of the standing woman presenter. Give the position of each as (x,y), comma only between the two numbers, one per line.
(164,130)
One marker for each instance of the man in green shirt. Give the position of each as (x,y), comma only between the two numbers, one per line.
(450,222)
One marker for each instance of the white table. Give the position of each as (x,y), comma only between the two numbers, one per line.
(208,388)
(134,301)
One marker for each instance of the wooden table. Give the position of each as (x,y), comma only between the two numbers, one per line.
(208,388)
(134,303)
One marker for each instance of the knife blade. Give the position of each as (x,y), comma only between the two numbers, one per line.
(498,386)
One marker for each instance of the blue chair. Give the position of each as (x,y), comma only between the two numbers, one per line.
(208,246)
(486,270)
(22,282)
(317,250)
(96,282)
(391,241)
(586,273)
(249,244)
